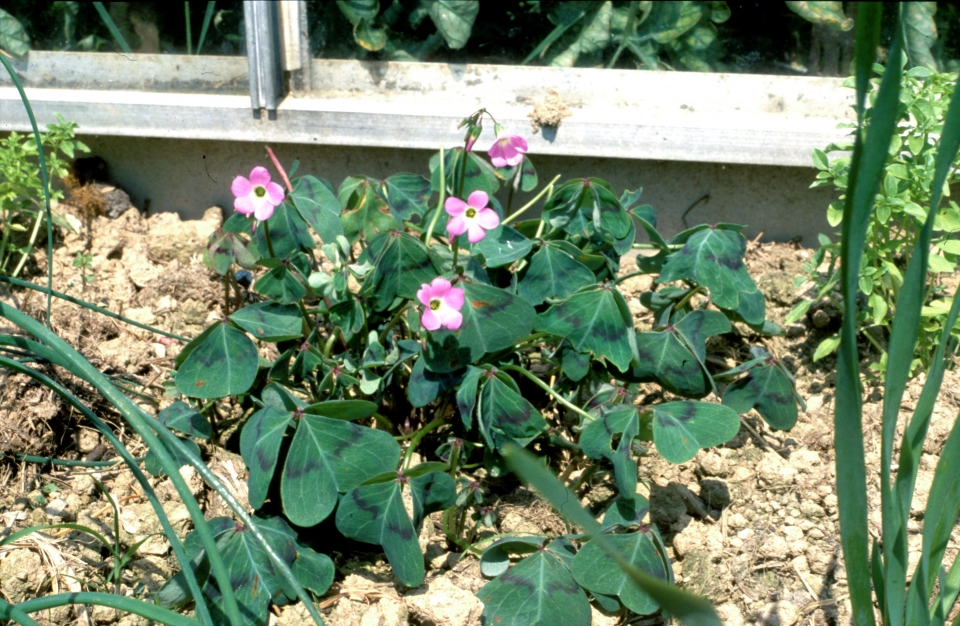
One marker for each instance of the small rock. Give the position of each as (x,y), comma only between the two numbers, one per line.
(712,464)
(143,315)
(602,618)
(104,614)
(781,613)
(387,611)
(814,403)
(736,521)
(21,573)
(730,615)
(821,319)
(698,537)
(442,603)
(88,440)
(811,509)
(57,508)
(774,548)
(436,556)
(795,330)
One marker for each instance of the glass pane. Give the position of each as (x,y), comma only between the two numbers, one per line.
(53,44)
(788,38)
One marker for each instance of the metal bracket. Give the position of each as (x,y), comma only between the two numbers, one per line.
(263,56)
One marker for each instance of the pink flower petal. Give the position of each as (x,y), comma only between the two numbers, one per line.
(440,286)
(454,206)
(241,187)
(259,176)
(429,319)
(455,298)
(475,233)
(496,155)
(244,205)
(519,144)
(457,225)
(264,211)
(478,199)
(274,193)
(488,218)
(453,320)
(512,156)
(423,294)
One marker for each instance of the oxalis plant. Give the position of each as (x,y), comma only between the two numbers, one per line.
(421,331)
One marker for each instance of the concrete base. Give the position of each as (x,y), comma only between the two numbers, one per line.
(187,177)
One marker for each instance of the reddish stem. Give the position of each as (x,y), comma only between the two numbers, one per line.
(276,164)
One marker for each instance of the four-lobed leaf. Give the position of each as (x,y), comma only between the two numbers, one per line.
(401,267)
(328,457)
(553,273)
(768,390)
(505,415)
(594,321)
(319,206)
(537,591)
(597,572)
(714,258)
(680,429)
(223,364)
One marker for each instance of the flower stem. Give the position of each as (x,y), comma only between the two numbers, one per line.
(226,293)
(266,235)
(307,323)
(629,276)
(442,199)
(463,172)
(526,207)
(549,390)
(423,432)
(514,183)
(276,164)
(686,298)
(328,346)
(393,322)
(455,245)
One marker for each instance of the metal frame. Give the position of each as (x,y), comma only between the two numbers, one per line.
(263,54)
(677,116)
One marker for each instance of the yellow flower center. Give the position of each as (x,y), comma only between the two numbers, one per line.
(259,191)
(434,305)
(471,212)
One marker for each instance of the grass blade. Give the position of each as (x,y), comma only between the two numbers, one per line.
(114,31)
(690,609)
(207,19)
(61,352)
(121,603)
(45,178)
(12,612)
(869,158)
(175,543)
(162,441)
(912,446)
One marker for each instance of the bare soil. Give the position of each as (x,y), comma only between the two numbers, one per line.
(751,524)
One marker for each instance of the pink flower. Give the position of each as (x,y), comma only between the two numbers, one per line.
(472,217)
(257,195)
(507,150)
(443,303)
